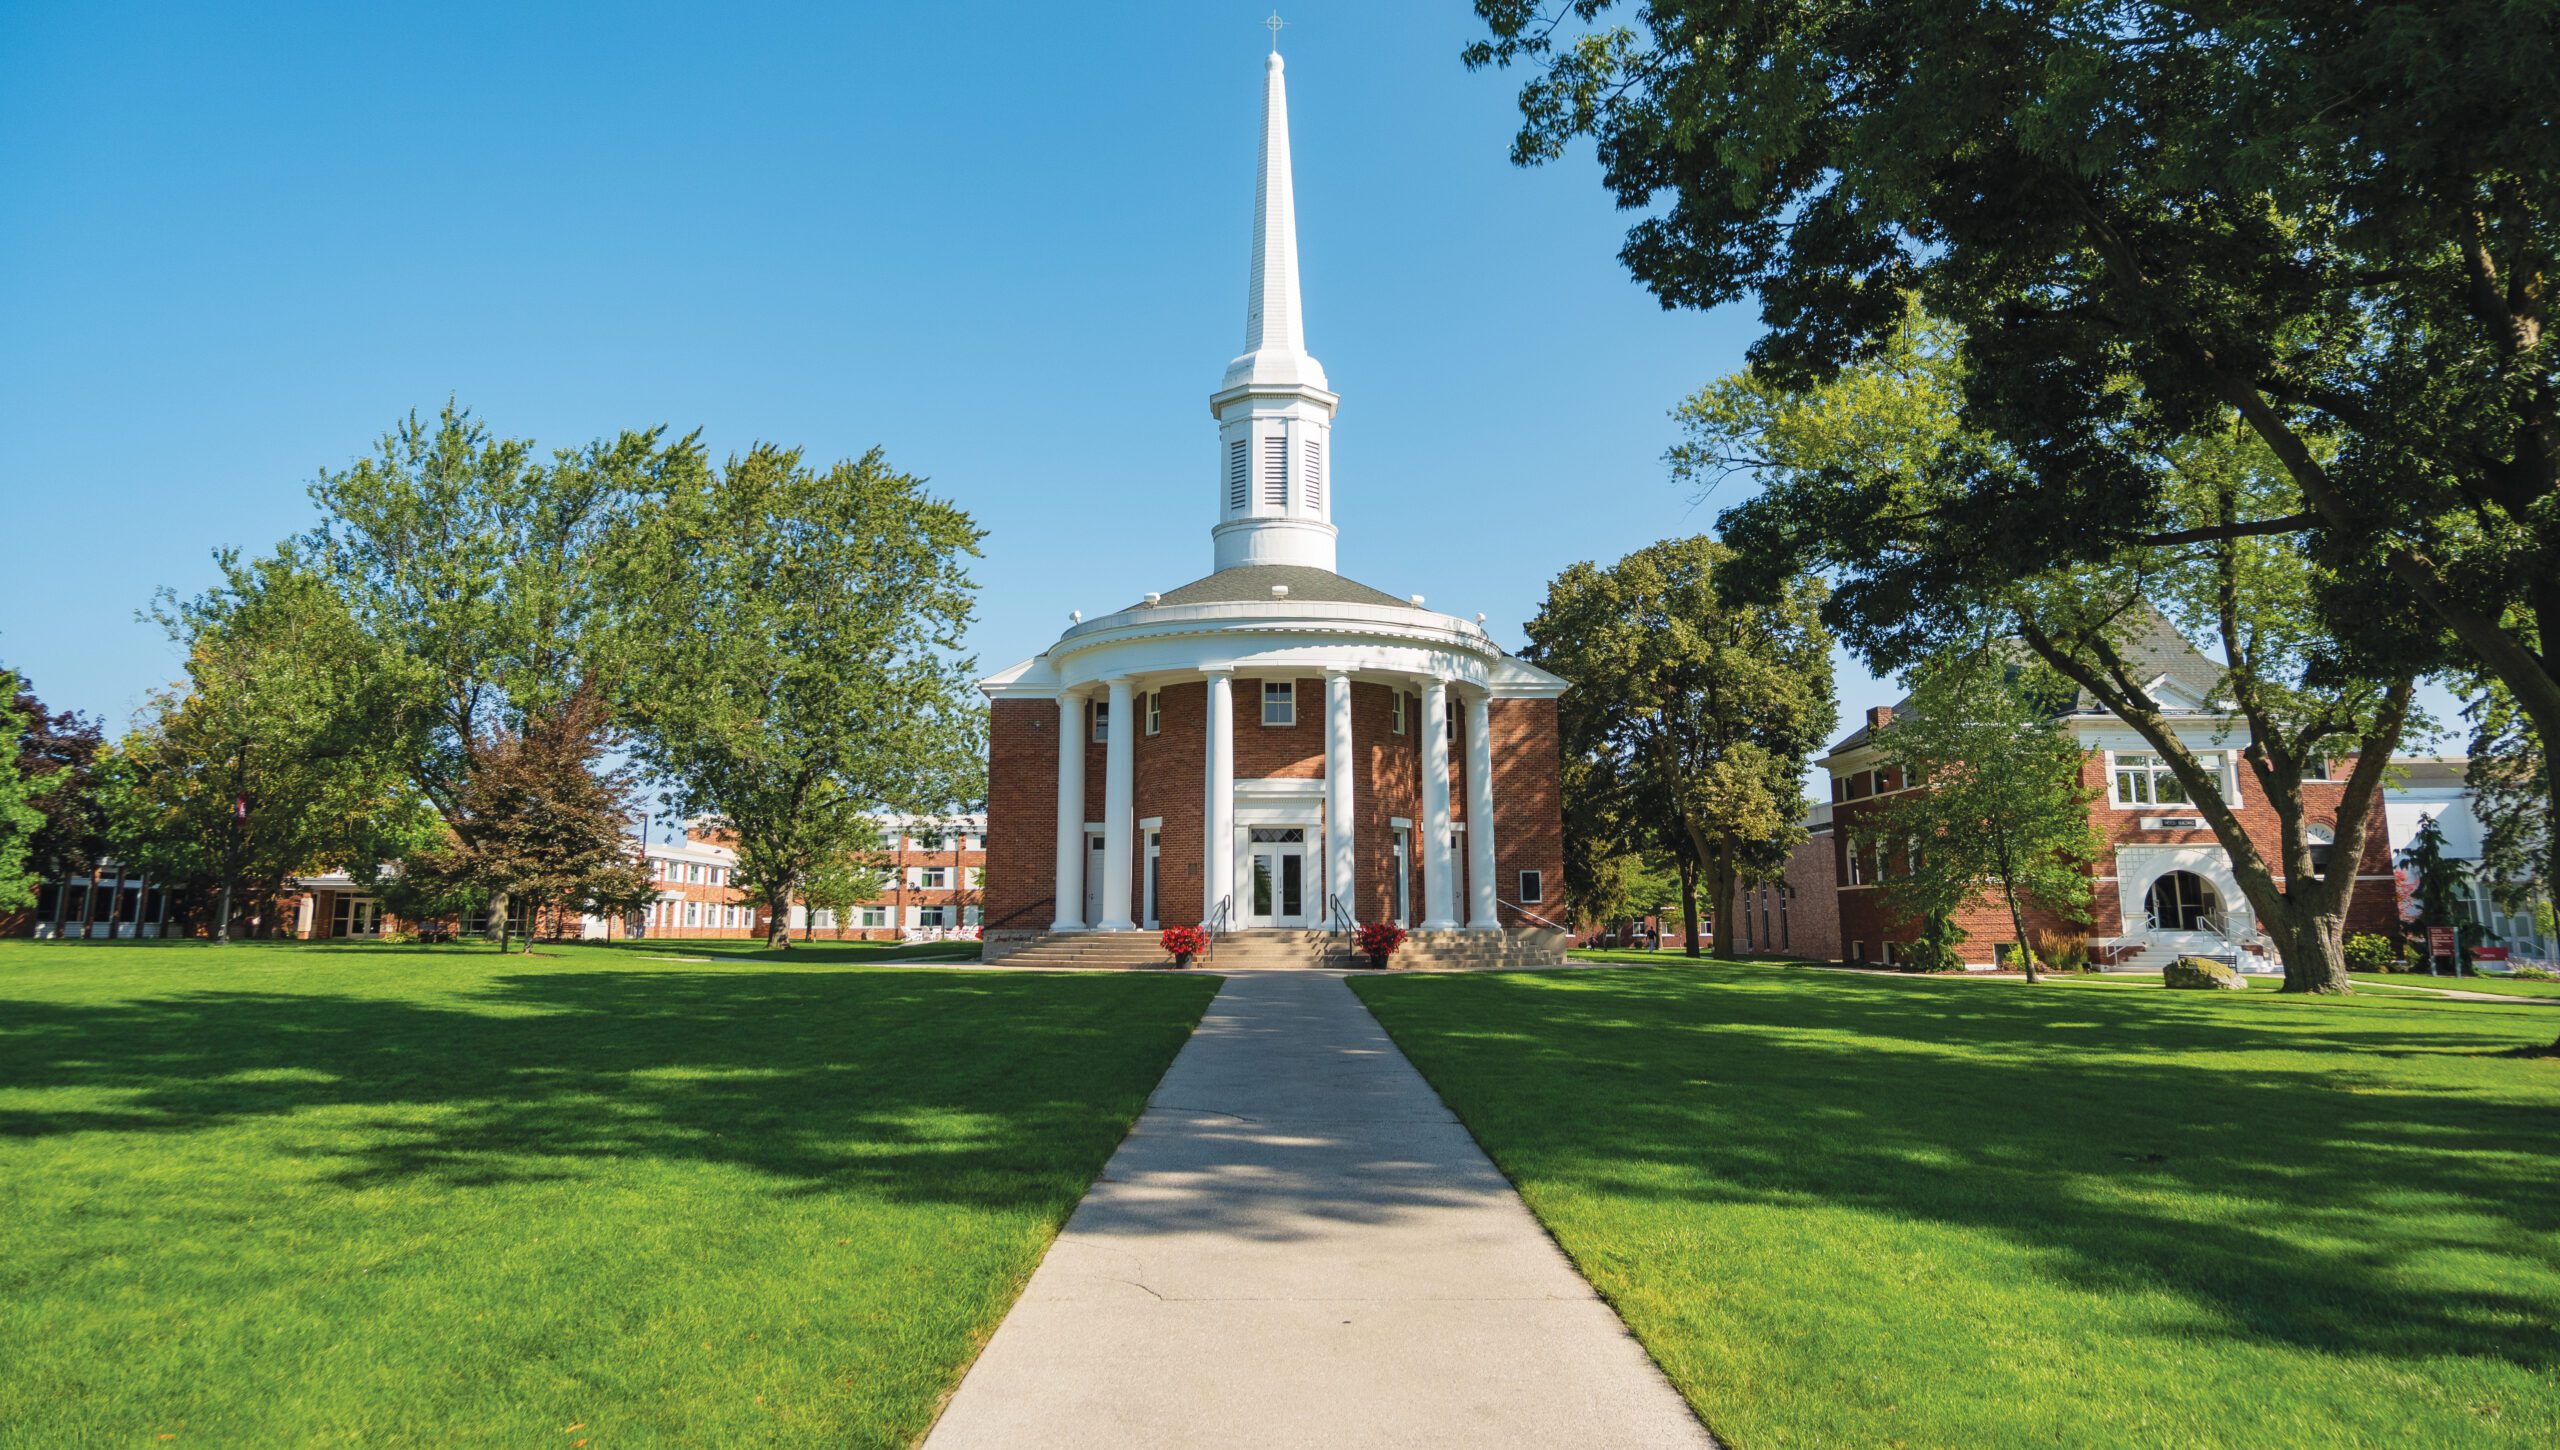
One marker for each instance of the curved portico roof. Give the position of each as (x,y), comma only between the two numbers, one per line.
(1253,583)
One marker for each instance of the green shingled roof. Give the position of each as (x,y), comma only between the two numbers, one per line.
(1251,584)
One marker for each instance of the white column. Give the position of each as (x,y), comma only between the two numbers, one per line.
(1218,826)
(1337,790)
(1070,904)
(1483,905)
(1119,797)
(1439,864)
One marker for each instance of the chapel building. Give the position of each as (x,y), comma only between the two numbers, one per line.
(1273,749)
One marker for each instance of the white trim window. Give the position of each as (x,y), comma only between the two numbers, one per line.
(1155,712)
(875,916)
(933,878)
(1280,703)
(1532,888)
(1101,720)
(1396,716)
(2143,778)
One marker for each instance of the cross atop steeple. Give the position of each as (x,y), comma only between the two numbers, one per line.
(1273,25)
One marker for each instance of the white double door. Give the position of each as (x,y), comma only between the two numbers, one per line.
(1279,882)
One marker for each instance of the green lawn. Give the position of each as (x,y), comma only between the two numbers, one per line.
(285,1195)
(2500,986)
(1853,1210)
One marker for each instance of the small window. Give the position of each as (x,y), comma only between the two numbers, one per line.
(1239,471)
(1280,702)
(929,843)
(1532,888)
(2316,768)
(935,878)
(1102,719)
(1397,713)
(1155,711)
(1275,471)
(1857,951)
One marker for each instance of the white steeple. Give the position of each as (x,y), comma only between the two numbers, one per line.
(1275,416)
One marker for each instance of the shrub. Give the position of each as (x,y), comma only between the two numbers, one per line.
(1378,938)
(2534,974)
(2065,951)
(2368,952)
(394,937)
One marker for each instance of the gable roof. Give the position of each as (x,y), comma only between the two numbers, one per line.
(2155,653)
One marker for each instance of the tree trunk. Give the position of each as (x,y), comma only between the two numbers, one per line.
(777,923)
(2312,946)
(500,924)
(230,881)
(2018,923)
(1689,904)
(1720,889)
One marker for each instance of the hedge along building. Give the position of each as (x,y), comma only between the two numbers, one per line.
(1274,746)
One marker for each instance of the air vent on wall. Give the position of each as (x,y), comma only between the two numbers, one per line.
(1237,476)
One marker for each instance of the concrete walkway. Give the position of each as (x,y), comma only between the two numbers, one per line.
(1298,1245)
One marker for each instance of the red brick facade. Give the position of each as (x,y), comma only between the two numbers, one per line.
(1866,927)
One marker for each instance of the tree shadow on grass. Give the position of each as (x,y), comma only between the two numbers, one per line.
(970,1090)
(2288,1167)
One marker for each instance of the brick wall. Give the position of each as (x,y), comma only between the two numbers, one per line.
(1528,805)
(1022,814)
(1172,771)
(1389,785)
(1278,752)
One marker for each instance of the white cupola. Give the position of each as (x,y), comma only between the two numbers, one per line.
(1275,416)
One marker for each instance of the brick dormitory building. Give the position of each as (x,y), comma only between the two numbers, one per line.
(1274,748)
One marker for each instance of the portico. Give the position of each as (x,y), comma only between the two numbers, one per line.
(1273,746)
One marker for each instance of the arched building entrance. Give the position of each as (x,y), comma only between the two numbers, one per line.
(2182,901)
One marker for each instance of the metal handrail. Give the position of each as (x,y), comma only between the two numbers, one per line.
(1216,925)
(1337,917)
(1533,916)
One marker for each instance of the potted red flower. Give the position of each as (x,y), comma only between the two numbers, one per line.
(1182,943)
(1377,941)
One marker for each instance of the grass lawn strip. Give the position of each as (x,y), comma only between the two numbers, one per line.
(280,1195)
(1845,1210)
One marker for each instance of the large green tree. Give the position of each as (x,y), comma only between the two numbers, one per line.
(548,813)
(1690,717)
(19,817)
(494,587)
(815,675)
(2002,806)
(57,753)
(1873,479)
(269,760)
(2334,223)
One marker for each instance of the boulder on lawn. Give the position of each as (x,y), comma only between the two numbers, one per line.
(2201,972)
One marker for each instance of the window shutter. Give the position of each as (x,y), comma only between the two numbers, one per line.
(1237,476)
(1315,475)
(1275,471)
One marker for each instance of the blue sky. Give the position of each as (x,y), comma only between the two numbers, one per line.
(1006,243)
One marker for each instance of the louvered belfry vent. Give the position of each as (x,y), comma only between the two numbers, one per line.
(1238,476)
(1315,475)
(1275,471)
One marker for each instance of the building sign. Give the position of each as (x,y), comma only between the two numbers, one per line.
(2488,954)
(2440,941)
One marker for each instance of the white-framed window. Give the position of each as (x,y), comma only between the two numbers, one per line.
(933,916)
(875,916)
(1155,711)
(1280,702)
(934,878)
(2144,779)
(1857,951)
(693,913)
(1395,715)
(968,916)
(1533,887)
(1857,865)
(933,841)
(1102,719)
(823,920)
